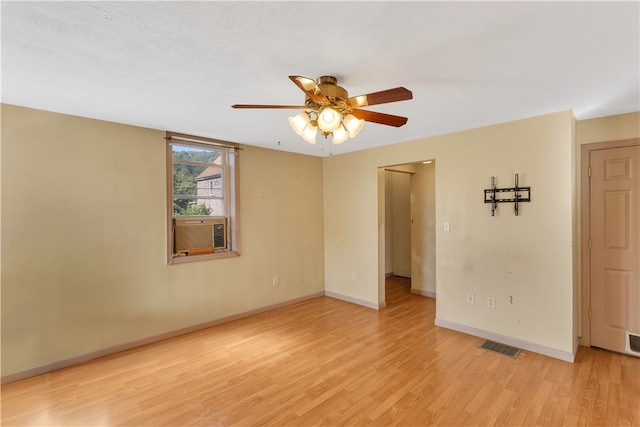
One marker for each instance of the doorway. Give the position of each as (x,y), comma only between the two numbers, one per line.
(407,220)
(611,239)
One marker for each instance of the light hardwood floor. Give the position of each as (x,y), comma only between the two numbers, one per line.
(328,362)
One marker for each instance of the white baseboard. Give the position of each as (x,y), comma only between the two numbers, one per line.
(353,300)
(54,366)
(514,342)
(423,293)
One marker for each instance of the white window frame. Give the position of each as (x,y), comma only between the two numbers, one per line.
(230,183)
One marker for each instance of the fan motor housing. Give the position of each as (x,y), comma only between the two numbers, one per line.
(329,87)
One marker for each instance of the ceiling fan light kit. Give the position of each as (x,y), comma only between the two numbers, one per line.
(329,119)
(340,135)
(329,109)
(299,122)
(309,133)
(353,125)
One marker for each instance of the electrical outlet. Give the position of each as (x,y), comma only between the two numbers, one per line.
(471,298)
(491,302)
(276,281)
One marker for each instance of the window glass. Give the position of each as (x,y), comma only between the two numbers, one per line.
(196,172)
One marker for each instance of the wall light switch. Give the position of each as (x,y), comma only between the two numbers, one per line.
(446,226)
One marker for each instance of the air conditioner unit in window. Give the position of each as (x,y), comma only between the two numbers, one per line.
(199,235)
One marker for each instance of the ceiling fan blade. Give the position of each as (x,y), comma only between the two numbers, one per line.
(310,87)
(266,106)
(380,118)
(382,97)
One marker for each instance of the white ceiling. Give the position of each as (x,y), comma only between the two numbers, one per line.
(180,66)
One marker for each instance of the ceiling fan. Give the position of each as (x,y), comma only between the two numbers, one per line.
(329,108)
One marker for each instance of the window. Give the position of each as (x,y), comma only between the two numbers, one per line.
(202,188)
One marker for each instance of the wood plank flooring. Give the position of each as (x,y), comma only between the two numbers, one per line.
(325,362)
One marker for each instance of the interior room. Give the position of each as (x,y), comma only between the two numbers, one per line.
(462,211)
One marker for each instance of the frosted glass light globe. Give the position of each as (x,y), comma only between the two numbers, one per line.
(328,119)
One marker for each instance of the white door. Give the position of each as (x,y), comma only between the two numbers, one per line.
(614,198)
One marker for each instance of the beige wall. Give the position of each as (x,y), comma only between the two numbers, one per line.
(401,223)
(611,128)
(423,230)
(528,257)
(83,238)
(388,224)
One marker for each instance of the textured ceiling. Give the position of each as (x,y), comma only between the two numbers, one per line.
(180,65)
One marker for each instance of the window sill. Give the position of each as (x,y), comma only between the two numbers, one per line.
(194,258)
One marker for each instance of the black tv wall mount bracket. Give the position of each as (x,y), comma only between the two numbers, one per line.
(497,195)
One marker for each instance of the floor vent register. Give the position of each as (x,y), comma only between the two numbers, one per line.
(504,349)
